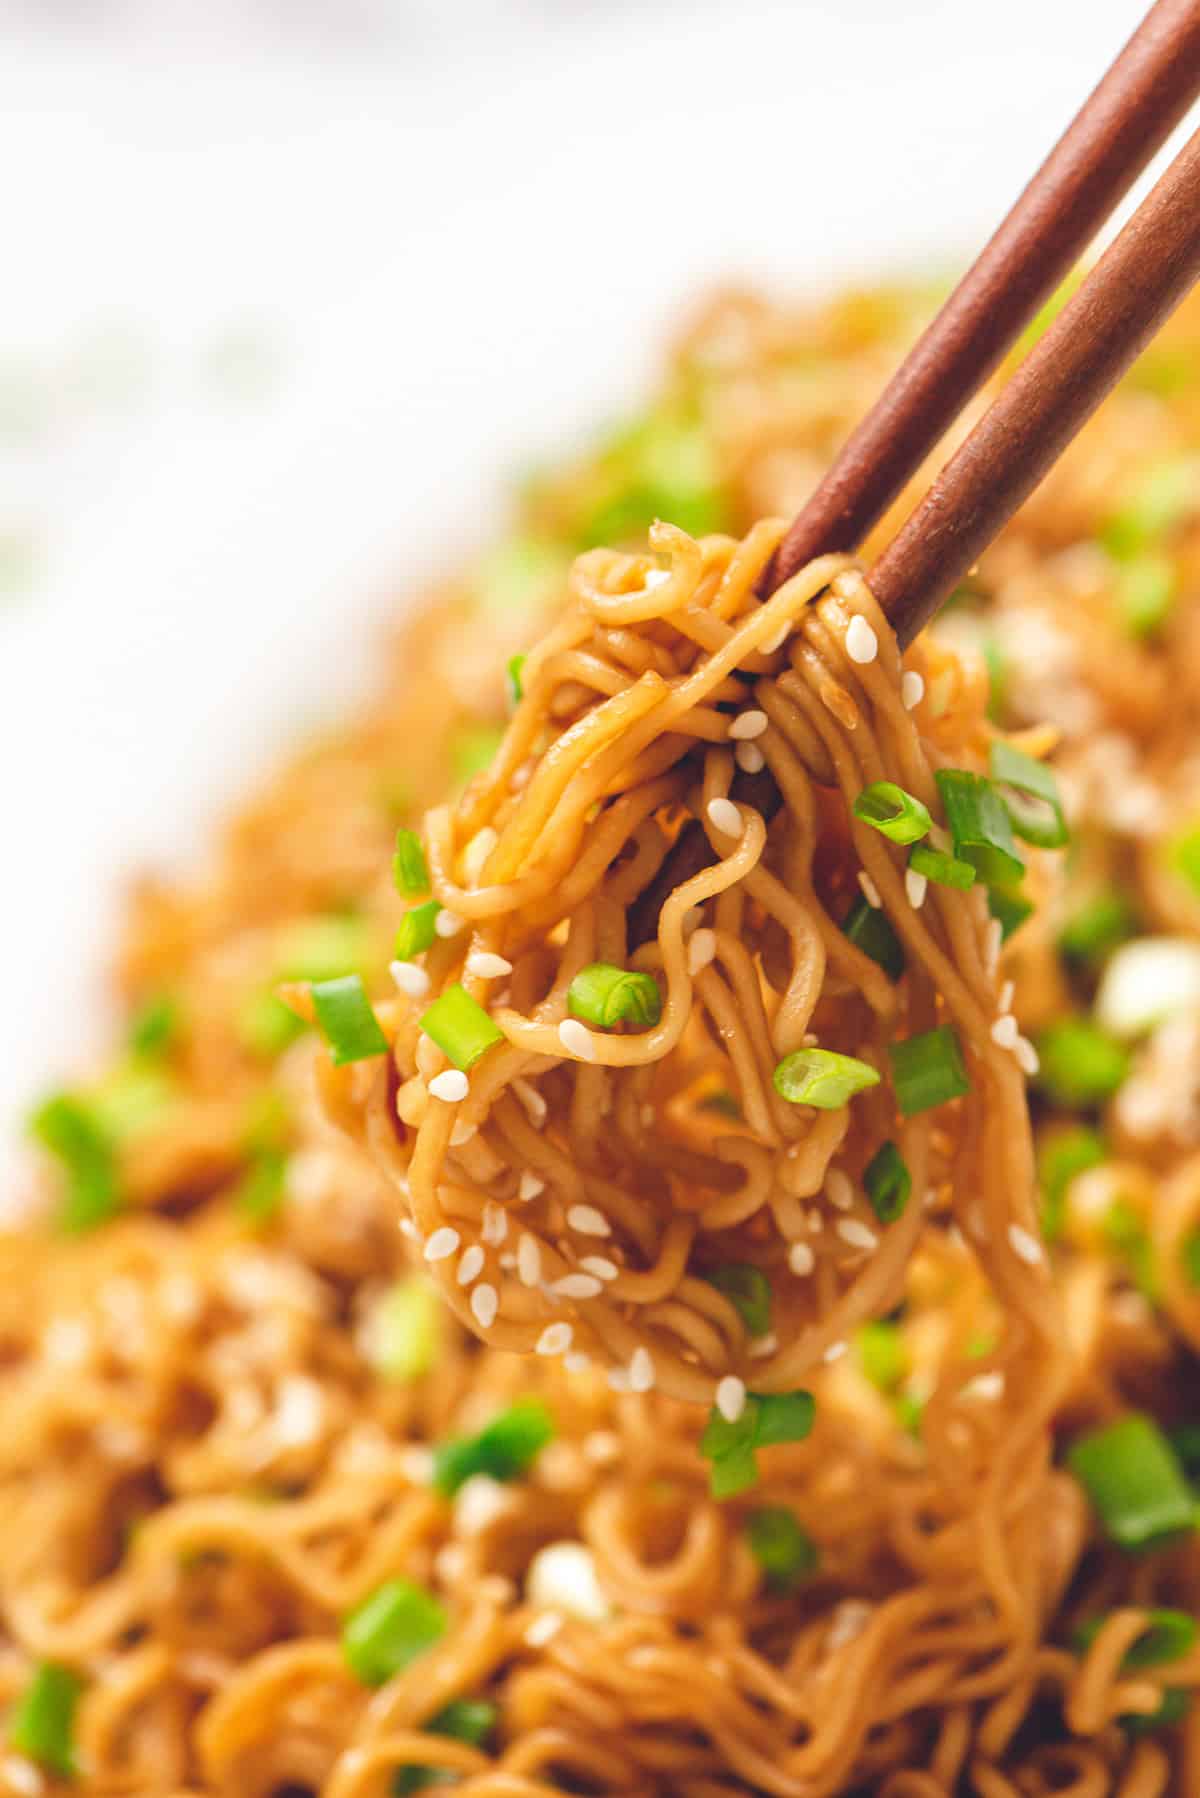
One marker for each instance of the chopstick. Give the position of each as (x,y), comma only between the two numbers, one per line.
(1136,285)
(1126,118)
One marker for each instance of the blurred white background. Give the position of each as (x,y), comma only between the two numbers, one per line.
(289,290)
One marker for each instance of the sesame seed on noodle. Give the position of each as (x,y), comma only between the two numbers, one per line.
(749,758)
(409,978)
(588,1221)
(529,1260)
(731,1397)
(530,1185)
(853,1231)
(555,1339)
(470,1265)
(801,1259)
(577,1286)
(912,688)
(487,965)
(642,1373)
(1025,1244)
(485,1302)
(576,1039)
(747,725)
(915,887)
(870,891)
(862,645)
(442,1244)
(1004,1032)
(447,923)
(724,816)
(451,1086)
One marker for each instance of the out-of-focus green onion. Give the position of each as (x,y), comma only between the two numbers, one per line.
(946,870)
(514,669)
(469,1720)
(1176,1702)
(781,1546)
(1061,1155)
(1045,317)
(1010,910)
(258,1195)
(410,870)
(1189,1256)
(980,826)
(870,930)
(927,1070)
(1097,925)
(1165,369)
(132,1098)
(518,574)
(891,811)
(783,1417)
(1135,1484)
(1080,1064)
(663,469)
(390,1629)
(748,1291)
(822,1078)
(1183,854)
(42,1724)
(1146,589)
(888,1183)
(881,1353)
(766,1419)
(474,749)
(154,1028)
(504,1449)
(460,1027)
(1030,795)
(996,664)
(1163,497)
(266,1026)
(1167,1636)
(347,1022)
(1185,1446)
(604,995)
(67,1128)
(321,948)
(1127,1238)
(405,1330)
(909,1412)
(416,931)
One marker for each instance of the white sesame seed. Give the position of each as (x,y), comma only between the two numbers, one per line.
(477,851)
(701,949)
(839,1188)
(642,1373)
(1004,1032)
(1006,996)
(447,923)
(856,1233)
(529,1260)
(601,1266)
(495,1224)
(1027,1056)
(531,1102)
(543,1629)
(862,645)
(576,1362)
(442,1244)
(912,688)
(1025,1244)
(834,1352)
(451,1085)
(776,640)
(576,1039)
(530,1185)
(762,1346)
(915,886)
(801,1259)
(588,1221)
(555,1339)
(731,1397)
(870,891)
(471,1265)
(487,965)
(485,1302)
(724,816)
(749,758)
(409,978)
(617,1379)
(747,725)
(576,1286)
(987,1385)
(816,1223)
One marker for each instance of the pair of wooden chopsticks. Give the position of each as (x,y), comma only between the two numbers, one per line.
(1124,301)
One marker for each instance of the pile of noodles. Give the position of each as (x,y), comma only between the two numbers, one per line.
(214,1445)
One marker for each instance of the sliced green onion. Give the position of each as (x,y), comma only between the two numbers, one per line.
(1167,1636)
(469,1720)
(822,1078)
(390,1629)
(605,995)
(473,750)
(783,1417)
(266,1026)
(258,1195)
(909,1412)
(927,1070)
(66,1127)
(1059,1158)
(405,1330)
(42,1724)
(1127,1237)
(518,574)
(896,814)
(1146,590)
(154,1029)
(870,930)
(748,1290)
(1030,795)
(1135,1483)
(1189,1255)
(1097,926)
(733,1473)
(882,1353)
(416,931)
(767,1418)
(410,870)
(1080,1064)
(1183,852)
(1161,500)
(980,826)
(946,870)
(888,1183)
(1010,910)
(504,1450)
(1185,1445)
(460,1027)
(514,669)
(347,1021)
(783,1549)
(321,948)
